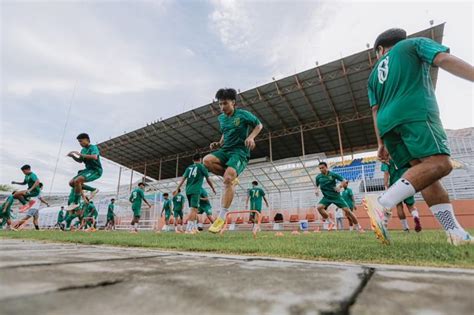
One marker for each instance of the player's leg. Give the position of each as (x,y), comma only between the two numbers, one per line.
(321,207)
(351,224)
(21,196)
(230,176)
(214,164)
(35,221)
(410,203)
(402,217)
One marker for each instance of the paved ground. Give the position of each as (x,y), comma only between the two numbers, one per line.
(46,278)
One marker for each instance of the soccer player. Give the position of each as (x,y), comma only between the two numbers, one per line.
(408,126)
(239,129)
(136,198)
(167,205)
(5,211)
(23,196)
(326,181)
(348,197)
(194,178)
(205,206)
(90,156)
(33,212)
(339,215)
(61,218)
(255,196)
(178,204)
(391,174)
(89,218)
(111,215)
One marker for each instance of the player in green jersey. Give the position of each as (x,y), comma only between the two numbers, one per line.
(5,211)
(348,195)
(136,198)
(205,208)
(61,218)
(24,196)
(239,129)
(110,225)
(194,177)
(391,174)
(326,182)
(408,125)
(90,156)
(178,205)
(255,195)
(167,209)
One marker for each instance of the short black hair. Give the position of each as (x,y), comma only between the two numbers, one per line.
(83,136)
(141,184)
(226,94)
(179,190)
(197,157)
(323,163)
(62,207)
(390,37)
(113,199)
(40,185)
(166,195)
(25,167)
(255,183)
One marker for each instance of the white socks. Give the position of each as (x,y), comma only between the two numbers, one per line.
(404,224)
(223,212)
(401,190)
(445,215)
(415,213)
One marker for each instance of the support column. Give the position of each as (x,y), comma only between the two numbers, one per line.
(131,180)
(118,183)
(177,164)
(159,171)
(340,138)
(270,145)
(144,174)
(302,141)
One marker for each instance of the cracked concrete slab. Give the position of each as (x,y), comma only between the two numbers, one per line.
(78,279)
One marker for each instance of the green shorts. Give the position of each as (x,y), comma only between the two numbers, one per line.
(255,207)
(137,211)
(237,159)
(416,140)
(178,213)
(5,215)
(193,200)
(410,201)
(338,201)
(207,211)
(89,175)
(110,218)
(34,193)
(167,215)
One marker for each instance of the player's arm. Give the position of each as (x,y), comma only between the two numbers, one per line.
(316,191)
(266,201)
(43,201)
(382,152)
(386,177)
(211,184)
(75,156)
(250,141)
(146,201)
(454,65)
(181,183)
(247,200)
(5,206)
(18,183)
(218,144)
(204,198)
(36,184)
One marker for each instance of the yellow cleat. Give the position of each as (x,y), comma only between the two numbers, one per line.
(376,214)
(236,181)
(216,227)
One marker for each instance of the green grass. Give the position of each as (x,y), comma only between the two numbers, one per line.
(428,248)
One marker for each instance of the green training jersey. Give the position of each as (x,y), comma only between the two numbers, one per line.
(92,164)
(110,210)
(167,205)
(195,175)
(204,204)
(347,195)
(30,179)
(136,198)
(60,216)
(400,84)
(178,202)
(91,210)
(256,195)
(394,172)
(236,129)
(8,201)
(327,183)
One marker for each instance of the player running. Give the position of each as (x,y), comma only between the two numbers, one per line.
(391,174)
(178,204)
(255,196)
(326,181)
(136,198)
(90,156)
(110,225)
(6,211)
(89,217)
(408,126)
(33,212)
(205,207)
(61,218)
(194,178)
(167,209)
(239,129)
(348,197)
(23,196)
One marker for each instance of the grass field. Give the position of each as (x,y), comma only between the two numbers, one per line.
(428,248)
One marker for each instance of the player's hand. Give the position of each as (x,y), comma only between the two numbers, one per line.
(382,153)
(316,193)
(250,143)
(215,145)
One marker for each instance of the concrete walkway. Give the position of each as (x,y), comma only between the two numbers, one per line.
(51,278)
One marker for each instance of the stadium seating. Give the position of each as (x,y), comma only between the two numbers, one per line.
(310,217)
(353,170)
(294,218)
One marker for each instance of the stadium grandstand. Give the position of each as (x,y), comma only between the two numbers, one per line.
(321,114)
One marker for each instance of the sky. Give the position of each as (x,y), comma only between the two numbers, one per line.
(122,64)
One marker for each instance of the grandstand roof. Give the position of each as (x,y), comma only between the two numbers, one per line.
(327,104)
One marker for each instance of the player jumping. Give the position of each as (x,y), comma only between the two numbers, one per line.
(23,196)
